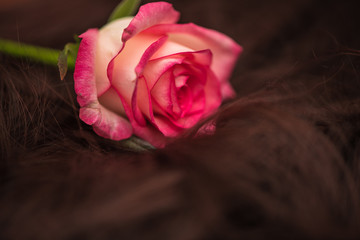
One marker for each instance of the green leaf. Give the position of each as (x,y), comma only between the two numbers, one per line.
(124,9)
(62,64)
(67,58)
(71,50)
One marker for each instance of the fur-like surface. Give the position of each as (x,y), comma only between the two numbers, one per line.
(284,162)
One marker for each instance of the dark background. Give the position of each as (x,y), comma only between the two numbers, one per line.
(277,35)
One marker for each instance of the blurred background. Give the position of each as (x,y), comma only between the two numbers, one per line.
(276,34)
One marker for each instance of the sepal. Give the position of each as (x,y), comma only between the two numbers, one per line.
(67,58)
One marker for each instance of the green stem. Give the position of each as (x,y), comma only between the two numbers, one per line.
(40,54)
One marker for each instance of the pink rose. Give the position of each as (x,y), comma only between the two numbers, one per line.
(148,76)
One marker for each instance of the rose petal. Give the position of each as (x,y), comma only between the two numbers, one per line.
(227,91)
(185,99)
(180,81)
(188,121)
(149,52)
(180,123)
(113,126)
(166,127)
(198,104)
(180,71)
(177,120)
(84,77)
(110,100)
(89,115)
(212,93)
(162,92)
(170,48)
(207,98)
(141,100)
(193,115)
(176,110)
(106,123)
(225,50)
(157,67)
(149,15)
(108,45)
(148,132)
(121,70)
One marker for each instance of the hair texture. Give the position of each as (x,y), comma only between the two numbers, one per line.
(283,163)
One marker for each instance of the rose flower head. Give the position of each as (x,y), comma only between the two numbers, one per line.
(151,77)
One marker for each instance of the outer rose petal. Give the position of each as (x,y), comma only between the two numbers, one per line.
(149,15)
(108,45)
(105,123)
(225,50)
(84,77)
